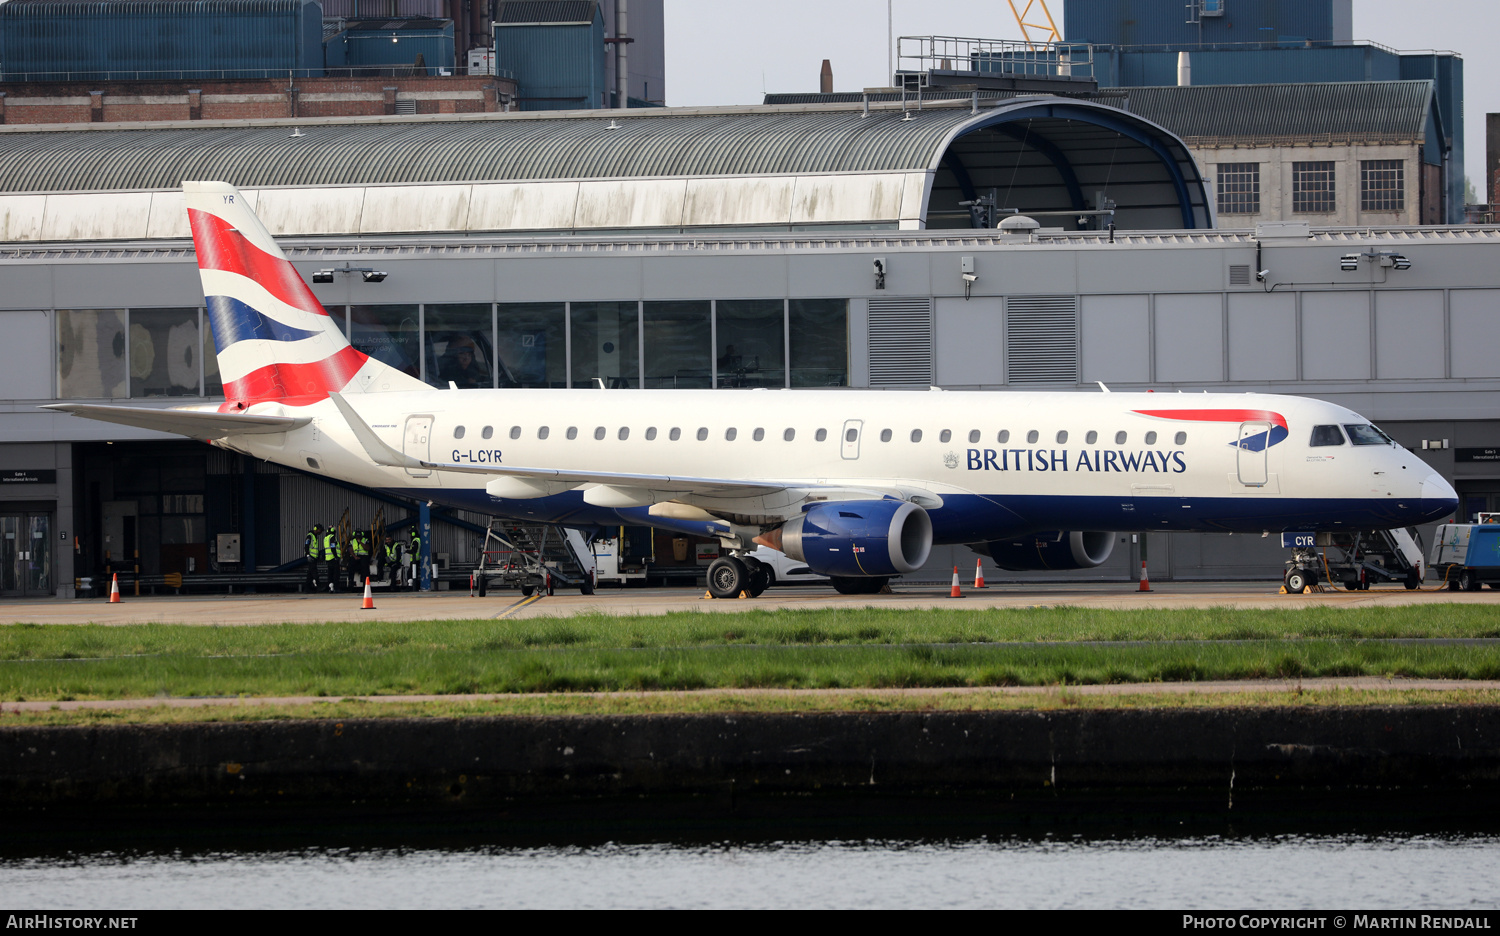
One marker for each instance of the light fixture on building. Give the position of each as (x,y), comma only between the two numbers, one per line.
(1349,263)
(368,274)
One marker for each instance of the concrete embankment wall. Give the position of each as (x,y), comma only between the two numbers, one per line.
(1223,752)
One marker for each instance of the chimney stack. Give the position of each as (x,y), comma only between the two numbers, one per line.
(825,78)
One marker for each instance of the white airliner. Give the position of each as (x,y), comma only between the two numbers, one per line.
(858,484)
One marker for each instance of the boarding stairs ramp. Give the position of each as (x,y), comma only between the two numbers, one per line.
(527,556)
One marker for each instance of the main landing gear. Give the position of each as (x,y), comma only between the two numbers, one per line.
(728,576)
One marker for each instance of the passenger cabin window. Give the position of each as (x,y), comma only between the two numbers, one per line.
(572,432)
(973,436)
(1032,436)
(651,434)
(703,435)
(885,435)
(945,436)
(731,434)
(488,432)
(1091,438)
(515,432)
(458,432)
(675,434)
(1120,438)
(821,435)
(1062,437)
(543,432)
(599,433)
(916,435)
(1150,438)
(759,435)
(1366,435)
(851,435)
(1180,439)
(1003,437)
(624,433)
(789,435)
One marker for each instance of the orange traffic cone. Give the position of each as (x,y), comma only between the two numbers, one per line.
(956,592)
(369,602)
(979,573)
(1145,580)
(114,589)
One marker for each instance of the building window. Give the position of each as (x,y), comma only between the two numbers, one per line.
(678,343)
(1239,188)
(388,333)
(1382,185)
(1312,186)
(605,344)
(819,336)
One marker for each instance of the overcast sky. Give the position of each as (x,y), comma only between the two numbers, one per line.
(730,53)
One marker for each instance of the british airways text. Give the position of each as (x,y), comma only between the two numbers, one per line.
(1018,459)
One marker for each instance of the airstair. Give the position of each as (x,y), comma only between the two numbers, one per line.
(532,557)
(1356,560)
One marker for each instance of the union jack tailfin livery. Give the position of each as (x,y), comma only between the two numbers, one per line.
(275,341)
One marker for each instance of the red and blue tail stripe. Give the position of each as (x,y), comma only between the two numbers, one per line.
(1258,442)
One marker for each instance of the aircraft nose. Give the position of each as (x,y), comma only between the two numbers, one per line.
(1437,493)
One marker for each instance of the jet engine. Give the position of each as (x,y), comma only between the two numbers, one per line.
(1057,550)
(857,538)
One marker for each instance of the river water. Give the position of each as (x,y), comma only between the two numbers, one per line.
(1286,871)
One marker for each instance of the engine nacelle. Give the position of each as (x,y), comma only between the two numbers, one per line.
(859,538)
(1052,551)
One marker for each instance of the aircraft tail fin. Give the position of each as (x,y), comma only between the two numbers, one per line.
(275,342)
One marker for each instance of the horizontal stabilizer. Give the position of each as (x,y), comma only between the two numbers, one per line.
(195,424)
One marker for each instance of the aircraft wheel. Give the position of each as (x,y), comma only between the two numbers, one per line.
(727,577)
(1297,581)
(760,578)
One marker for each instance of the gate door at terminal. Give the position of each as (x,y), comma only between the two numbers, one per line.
(1252,453)
(26,554)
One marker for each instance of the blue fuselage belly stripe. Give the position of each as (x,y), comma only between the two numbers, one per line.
(970,518)
(232,321)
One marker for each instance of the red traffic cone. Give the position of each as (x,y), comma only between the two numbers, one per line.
(369,602)
(956,592)
(1145,579)
(979,573)
(114,589)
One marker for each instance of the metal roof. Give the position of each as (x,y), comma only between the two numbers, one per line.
(510,147)
(1383,111)
(546,12)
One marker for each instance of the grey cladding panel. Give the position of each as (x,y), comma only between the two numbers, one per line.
(1189,334)
(26,287)
(1475,315)
(1262,336)
(1041,339)
(718,277)
(970,343)
(600,280)
(26,361)
(1335,336)
(167,285)
(1408,334)
(900,342)
(1116,339)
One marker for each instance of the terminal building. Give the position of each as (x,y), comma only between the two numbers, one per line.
(717,247)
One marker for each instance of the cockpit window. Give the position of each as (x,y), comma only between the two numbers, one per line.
(1366,435)
(1326,435)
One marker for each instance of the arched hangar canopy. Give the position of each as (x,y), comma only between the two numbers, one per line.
(777,167)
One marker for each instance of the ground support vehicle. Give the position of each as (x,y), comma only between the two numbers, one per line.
(623,555)
(1467,555)
(1354,559)
(533,556)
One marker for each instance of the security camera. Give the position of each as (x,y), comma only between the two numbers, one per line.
(879,272)
(1260,277)
(970,278)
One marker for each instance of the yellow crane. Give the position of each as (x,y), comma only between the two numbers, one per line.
(1046,33)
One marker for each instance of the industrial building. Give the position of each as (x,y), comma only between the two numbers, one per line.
(715,247)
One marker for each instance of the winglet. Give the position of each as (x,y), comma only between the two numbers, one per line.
(1102,386)
(379,452)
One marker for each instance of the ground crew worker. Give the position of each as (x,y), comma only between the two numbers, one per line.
(392,556)
(313,546)
(331,556)
(361,549)
(414,548)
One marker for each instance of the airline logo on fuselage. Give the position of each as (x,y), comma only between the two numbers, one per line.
(1255,442)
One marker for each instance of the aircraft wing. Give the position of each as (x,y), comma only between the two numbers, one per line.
(192,423)
(383,454)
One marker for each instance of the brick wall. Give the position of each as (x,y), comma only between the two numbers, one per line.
(147,101)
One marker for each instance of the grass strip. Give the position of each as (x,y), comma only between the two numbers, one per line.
(568,704)
(429,671)
(789,627)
